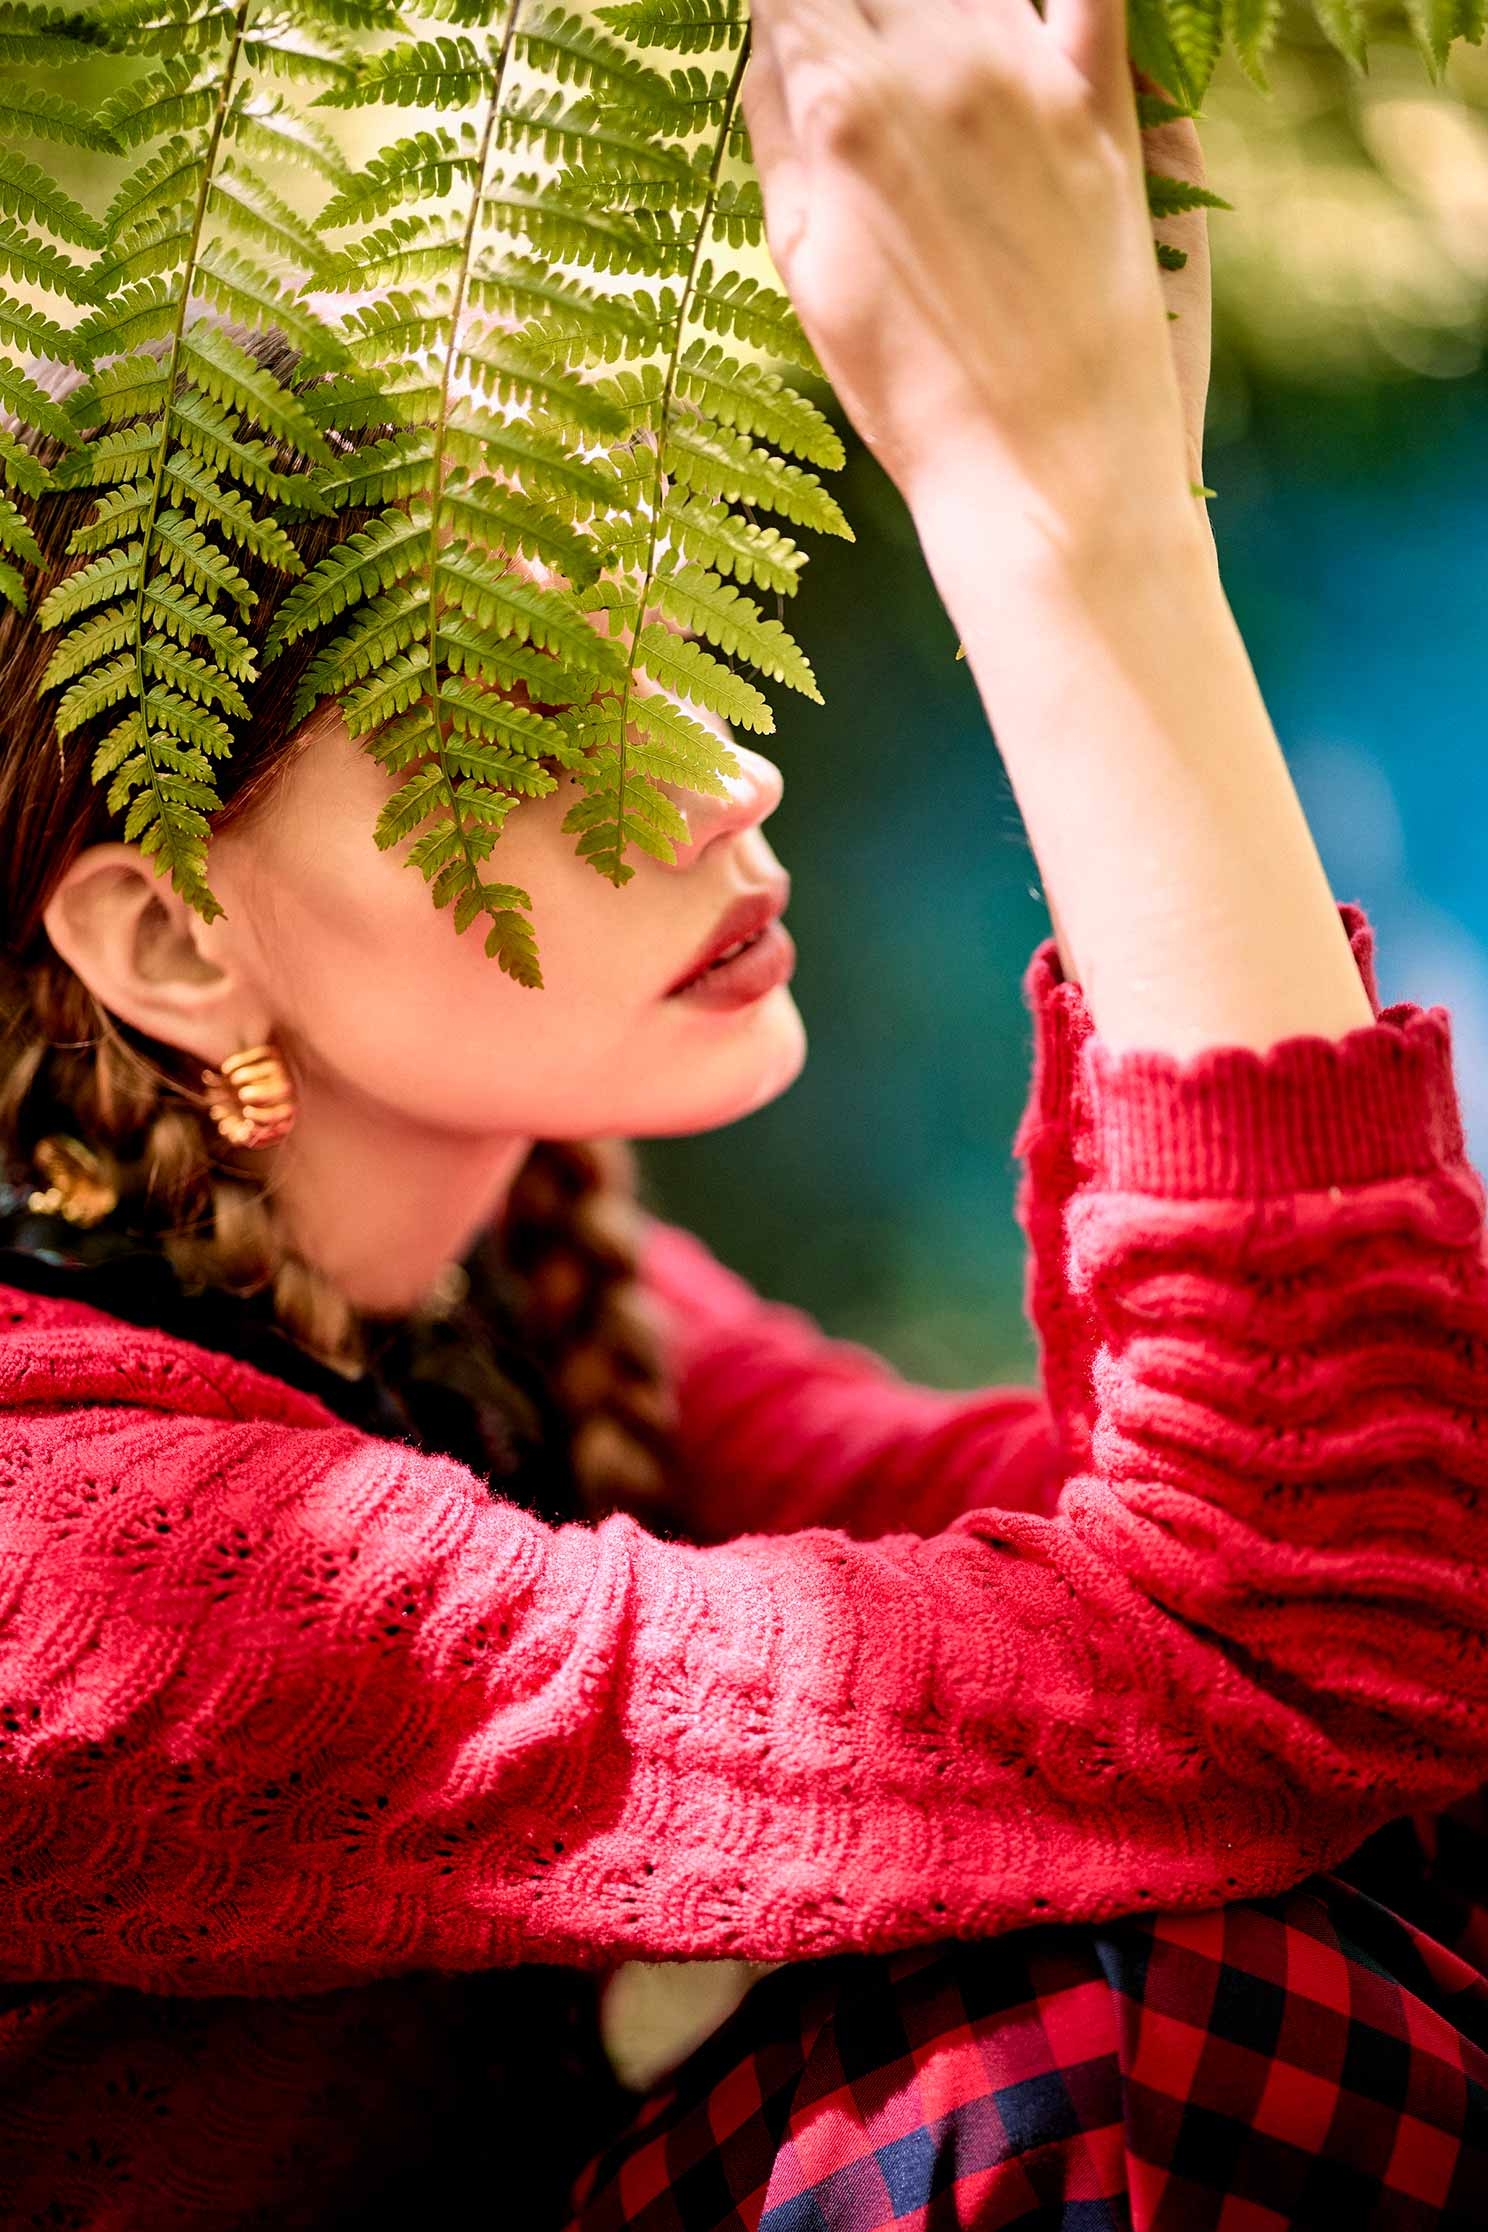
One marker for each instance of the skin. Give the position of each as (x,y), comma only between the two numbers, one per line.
(953,196)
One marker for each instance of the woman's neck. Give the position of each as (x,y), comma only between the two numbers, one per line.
(380,1203)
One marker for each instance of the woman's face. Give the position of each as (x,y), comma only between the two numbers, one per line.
(371,991)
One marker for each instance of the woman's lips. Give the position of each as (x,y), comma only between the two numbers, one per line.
(768,960)
(748,915)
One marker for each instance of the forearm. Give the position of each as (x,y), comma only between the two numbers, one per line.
(1187,892)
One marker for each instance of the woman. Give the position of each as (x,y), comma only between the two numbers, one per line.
(317,1745)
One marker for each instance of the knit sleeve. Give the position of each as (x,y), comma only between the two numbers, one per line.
(779,1425)
(1053,1146)
(286,1706)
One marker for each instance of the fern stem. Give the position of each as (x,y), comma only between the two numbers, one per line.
(172,377)
(458,304)
(665,404)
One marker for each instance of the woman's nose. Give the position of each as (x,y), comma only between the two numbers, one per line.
(753,795)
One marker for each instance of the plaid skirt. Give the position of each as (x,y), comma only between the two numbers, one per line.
(1313,2059)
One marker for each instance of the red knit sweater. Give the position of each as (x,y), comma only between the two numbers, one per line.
(289,1712)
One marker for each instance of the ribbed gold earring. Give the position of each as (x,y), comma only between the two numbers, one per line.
(80,1185)
(251,1099)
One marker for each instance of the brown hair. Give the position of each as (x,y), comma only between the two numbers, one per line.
(567,1240)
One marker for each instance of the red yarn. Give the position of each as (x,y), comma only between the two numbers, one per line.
(287,1710)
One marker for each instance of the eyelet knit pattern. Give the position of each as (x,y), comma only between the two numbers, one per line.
(291,1716)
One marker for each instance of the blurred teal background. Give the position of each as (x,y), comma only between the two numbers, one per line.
(1352,522)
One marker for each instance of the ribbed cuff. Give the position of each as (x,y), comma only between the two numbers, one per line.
(1309,1114)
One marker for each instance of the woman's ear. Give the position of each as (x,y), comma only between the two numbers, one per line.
(148,956)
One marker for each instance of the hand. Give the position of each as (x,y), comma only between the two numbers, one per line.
(954,198)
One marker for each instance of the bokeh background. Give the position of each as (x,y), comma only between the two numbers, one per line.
(1348,443)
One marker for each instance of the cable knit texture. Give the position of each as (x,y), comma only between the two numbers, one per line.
(292,1716)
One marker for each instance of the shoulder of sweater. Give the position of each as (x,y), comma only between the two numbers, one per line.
(57,1353)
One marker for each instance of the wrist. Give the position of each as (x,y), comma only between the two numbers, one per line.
(1109,516)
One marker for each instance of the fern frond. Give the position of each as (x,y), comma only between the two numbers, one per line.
(37,263)
(1251,27)
(20,395)
(730,465)
(754,401)
(26,328)
(181,96)
(421,73)
(716,609)
(736,302)
(26,112)
(32,196)
(421,167)
(264,126)
(191,426)
(685,26)
(709,532)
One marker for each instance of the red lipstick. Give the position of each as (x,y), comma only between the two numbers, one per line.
(748,952)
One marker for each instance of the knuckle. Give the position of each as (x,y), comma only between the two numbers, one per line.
(964,100)
(850,112)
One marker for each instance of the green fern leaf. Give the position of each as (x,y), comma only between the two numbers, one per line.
(1167,196)
(1196,28)
(424,166)
(717,610)
(735,302)
(186,553)
(264,127)
(127,388)
(49,37)
(181,96)
(118,513)
(1251,27)
(1434,26)
(677,664)
(165,183)
(422,73)
(708,532)
(223,370)
(20,395)
(374,558)
(192,483)
(757,402)
(37,263)
(131,320)
(1346,27)
(32,196)
(26,112)
(499,518)
(16,535)
(731,466)
(686,26)
(104,687)
(237,287)
(26,328)
(241,200)
(293,51)
(573,52)
(570,229)
(161,244)
(193,676)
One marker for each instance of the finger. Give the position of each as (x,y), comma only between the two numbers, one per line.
(766,112)
(1012,24)
(809,40)
(1092,33)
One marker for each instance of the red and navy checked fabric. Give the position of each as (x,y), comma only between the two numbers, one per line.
(1312,2060)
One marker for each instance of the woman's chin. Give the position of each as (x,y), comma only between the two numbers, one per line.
(756,1054)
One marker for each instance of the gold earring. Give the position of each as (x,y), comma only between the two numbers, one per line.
(79,1186)
(250,1099)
